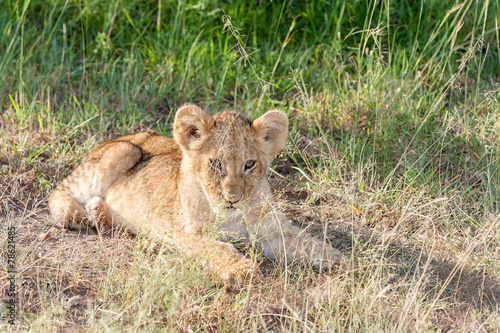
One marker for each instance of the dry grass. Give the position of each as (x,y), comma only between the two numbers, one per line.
(407,273)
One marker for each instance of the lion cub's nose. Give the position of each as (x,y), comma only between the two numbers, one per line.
(233,193)
(232,198)
(232,190)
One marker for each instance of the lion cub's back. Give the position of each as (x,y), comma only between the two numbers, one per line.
(150,145)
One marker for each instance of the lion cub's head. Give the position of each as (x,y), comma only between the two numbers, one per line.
(227,153)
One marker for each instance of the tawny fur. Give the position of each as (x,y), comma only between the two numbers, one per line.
(210,179)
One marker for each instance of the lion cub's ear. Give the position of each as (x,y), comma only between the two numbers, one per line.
(191,126)
(272,130)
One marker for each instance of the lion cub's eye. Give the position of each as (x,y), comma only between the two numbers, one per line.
(216,165)
(249,165)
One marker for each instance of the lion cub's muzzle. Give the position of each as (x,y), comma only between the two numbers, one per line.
(232,192)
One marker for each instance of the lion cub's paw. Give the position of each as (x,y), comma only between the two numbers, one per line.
(71,217)
(97,213)
(66,211)
(329,259)
(237,273)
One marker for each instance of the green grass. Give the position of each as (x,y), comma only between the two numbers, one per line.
(397,102)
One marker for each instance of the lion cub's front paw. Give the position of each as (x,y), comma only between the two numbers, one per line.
(237,273)
(328,258)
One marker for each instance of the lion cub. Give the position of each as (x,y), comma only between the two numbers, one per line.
(212,177)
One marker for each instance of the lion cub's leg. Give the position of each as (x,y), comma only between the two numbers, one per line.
(281,240)
(221,258)
(80,197)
